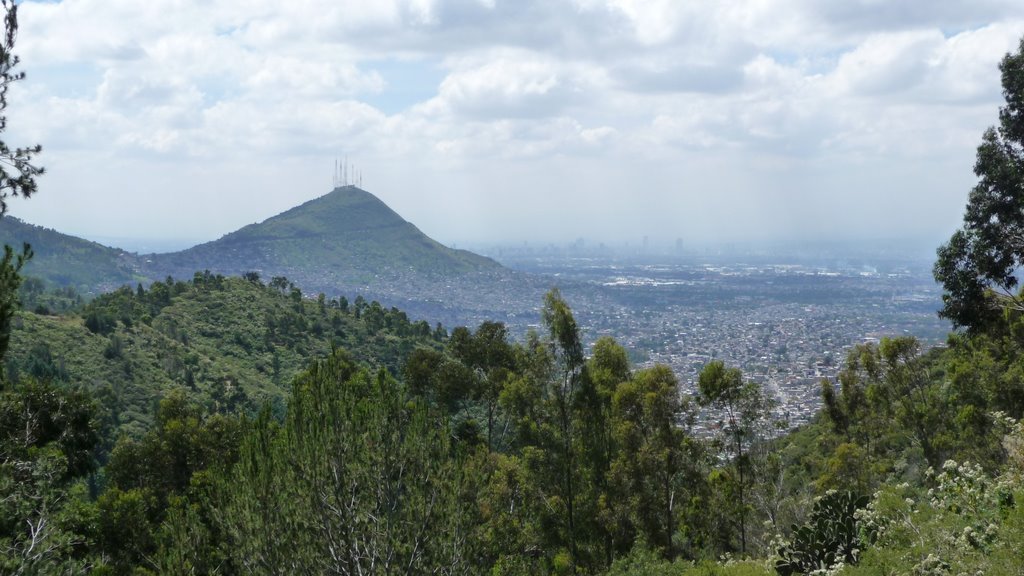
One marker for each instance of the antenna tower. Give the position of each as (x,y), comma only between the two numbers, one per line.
(346,174)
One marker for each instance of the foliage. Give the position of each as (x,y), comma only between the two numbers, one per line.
(151,478)
(10,280)
(48,436)
(969,521)
(356,479)
(891,398)
(978,265)
(230,343)
(744,413)
(643,562)
(355,465)
(35,296)
(985,372)
(653,468)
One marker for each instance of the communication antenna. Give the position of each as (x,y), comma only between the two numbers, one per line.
(346,174)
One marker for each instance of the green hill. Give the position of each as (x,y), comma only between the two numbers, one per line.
(346,240)
(64,260)
(233,343)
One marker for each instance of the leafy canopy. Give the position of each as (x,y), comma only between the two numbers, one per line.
(977,266)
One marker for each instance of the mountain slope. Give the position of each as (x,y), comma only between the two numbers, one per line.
(65,260)
(234,344)
(345,239)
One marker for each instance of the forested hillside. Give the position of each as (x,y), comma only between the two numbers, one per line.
(233,343)
(68,261)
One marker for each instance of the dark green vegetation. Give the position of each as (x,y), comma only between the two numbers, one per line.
(233,343)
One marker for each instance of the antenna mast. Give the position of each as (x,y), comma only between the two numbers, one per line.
(346,174)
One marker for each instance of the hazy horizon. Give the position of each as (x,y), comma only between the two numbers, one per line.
(651,245)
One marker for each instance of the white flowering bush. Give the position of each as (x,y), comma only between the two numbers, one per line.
(932,565)
(967,524)
(966,491)
(1013,443)
(887,520)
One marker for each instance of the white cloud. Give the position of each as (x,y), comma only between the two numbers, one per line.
(887,63)
(511,85)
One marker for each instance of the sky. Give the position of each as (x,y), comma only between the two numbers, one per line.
(504,121)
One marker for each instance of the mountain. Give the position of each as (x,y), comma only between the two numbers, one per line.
(67,260)
(349,242)
(345,239)
(345,243)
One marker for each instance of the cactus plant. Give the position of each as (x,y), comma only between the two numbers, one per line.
(829,537)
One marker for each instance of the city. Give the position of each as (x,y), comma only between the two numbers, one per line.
(785,322)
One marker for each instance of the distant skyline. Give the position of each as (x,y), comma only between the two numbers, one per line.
(490,121)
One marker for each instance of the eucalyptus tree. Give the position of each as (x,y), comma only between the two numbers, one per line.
(978,265)
(743,409)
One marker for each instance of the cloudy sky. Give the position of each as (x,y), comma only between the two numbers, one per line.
(510,120)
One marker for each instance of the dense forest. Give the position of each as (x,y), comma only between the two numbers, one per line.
(234,425)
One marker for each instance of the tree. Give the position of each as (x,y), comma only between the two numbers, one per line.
(17,172)
(548,401)
(358,479)
(567,349)
(743,408)
(48,436)
(976,267)
(651,464)
(608,369)
(147,477)
(489,357)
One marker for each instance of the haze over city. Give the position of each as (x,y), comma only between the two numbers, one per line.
(491,121)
